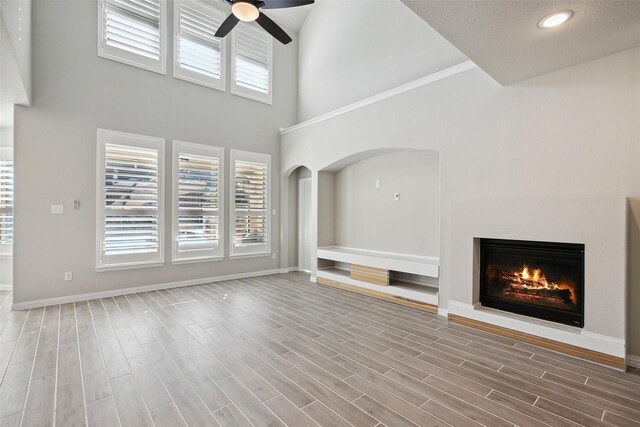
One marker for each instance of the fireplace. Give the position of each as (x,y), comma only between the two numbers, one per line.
(537,279)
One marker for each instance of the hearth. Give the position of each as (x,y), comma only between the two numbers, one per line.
(538,279)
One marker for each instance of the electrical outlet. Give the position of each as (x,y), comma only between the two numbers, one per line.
(76,204)
(57,209)
(396,196)
(273,212)
(273,255)
(377,183)
(68,275)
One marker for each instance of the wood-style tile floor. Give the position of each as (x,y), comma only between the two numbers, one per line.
(279,350)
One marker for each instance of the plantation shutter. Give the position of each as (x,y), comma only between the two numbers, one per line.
(133,32)
(134,26)
(198,192)
(251,222)
(6,201)
(131,199)
(199,53)
(252,63)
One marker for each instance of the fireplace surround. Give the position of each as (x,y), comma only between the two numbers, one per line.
(599,223)
(537,279)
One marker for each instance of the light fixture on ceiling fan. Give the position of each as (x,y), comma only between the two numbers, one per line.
(249,11)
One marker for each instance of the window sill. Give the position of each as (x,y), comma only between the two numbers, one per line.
(195,260)
(129,266)
(251,255)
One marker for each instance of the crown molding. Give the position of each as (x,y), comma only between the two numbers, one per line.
(423,81)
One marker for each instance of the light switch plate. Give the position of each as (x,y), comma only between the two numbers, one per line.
(57,209)
(377,183)
(68,275)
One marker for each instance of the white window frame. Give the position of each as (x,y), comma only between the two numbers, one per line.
(130,58)
(197,255)
(192,76)
(6,249)
(248,251)
(266,98)
(128,261)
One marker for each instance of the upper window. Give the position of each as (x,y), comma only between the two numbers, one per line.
(6,199)
(130,202)
(133,32)
(250,203)
(198,54)
(252,68)
(197,202)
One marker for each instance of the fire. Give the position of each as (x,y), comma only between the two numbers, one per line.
(533,279)
(533,283)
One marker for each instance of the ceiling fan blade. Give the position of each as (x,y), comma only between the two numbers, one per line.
(273,28)
(227,26)
(281,4)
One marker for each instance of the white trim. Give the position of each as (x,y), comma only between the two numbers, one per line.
(313,279)
(129,266)
(126,291)
(120,262)
(444,312)
(266,98)
(129,58)
(6,287)
(423,81)
(6,257)
(541,328)
(633,361)
(255,250)
(250,255)
(204,254)
(188,75)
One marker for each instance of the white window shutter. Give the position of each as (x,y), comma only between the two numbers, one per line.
(133,32)
(252,63)
(198,199)
(130,202)
(199,55)
(251,223)
(6,201)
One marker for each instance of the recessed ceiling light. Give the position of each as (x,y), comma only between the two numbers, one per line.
(555,19)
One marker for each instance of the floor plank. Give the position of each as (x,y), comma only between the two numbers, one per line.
(278,350)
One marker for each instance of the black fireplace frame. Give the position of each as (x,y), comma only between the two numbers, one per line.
(544,250)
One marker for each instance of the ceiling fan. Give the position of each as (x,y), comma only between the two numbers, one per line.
(249,11)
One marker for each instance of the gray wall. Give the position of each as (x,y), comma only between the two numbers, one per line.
(566,135)
(76,92)
(357,48)
(369,218)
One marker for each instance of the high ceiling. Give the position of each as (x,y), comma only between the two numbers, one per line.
(292,18)
(503,38)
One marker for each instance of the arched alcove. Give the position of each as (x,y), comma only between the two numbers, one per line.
(295,178)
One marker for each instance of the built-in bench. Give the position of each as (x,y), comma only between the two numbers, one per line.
(406,279)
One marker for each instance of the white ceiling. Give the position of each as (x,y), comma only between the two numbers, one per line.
(503,38)
(292,17)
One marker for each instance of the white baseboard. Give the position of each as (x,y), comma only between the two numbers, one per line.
(6,287)
(633,361)
(125,291)
(443,312)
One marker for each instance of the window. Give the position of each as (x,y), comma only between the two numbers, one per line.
(199,56)
(250,204)
(197,202)
(252,70)
(130,200)
(6,200)
(133,32)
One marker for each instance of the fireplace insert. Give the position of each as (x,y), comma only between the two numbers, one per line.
(538,279)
